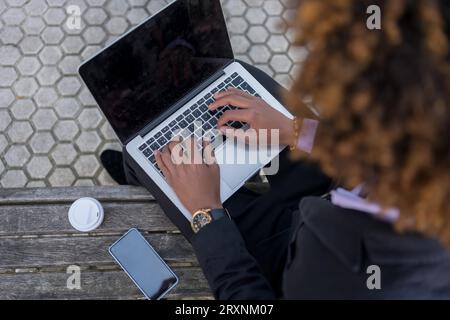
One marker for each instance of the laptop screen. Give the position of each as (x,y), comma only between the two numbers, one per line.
(146,72)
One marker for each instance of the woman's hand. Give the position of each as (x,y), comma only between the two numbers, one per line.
(194,178)
(253,111)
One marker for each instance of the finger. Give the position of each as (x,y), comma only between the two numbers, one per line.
(249,137)
(176,152)
(162,165)
(167,159)
(232,99)
(231,91)
(193,155)
(208,153)
(234,115)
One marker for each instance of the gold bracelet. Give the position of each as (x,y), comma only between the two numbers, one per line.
(296,127)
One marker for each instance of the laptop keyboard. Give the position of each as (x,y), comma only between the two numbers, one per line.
(187,125)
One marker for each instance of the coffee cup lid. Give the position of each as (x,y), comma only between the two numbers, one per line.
(86,214)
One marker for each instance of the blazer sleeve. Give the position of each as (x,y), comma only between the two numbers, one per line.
(232,273)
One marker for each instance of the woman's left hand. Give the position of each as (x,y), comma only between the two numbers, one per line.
(194,178)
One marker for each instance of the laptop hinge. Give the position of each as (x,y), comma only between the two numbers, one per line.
(180,103)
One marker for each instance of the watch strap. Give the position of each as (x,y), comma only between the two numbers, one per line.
(218,214)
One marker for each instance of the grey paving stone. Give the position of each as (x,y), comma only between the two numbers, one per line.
(25,87)
(6,97)
(55,16)
(86,166)
(39,167)
(156,5)
(69,86)
(5,120)
(275,25)
(117,7)
(278,43)
(44,119)
(9,55)
(257,34)
(235,7)
(56,3)
(35,7)
(137,15)
(298,54)
(86,97)
(46,97)
(256,15)
(22,109)
(95,16)
(89,51)
(3,143)
(20,131)
(64,154)
(73,45)
(273,7)
(50,55)
(33,26)
(48,76)
(96,3)
(11,35)
(13,16)
(69,65)
(67,108)
(17,156)
(42,142)
(9,75)
(62,177)
(237,25)
(117,25)
(52,35)
(105,179)
(36,184)
(66,130)
(31,45)
(14,179)
(281,63)
(90,118)
(259,54)
(2,167)
(240,44)
(94,35)
(107,132)
(84,183)
(88,141)
(28,66)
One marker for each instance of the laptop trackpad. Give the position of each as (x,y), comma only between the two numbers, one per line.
(238,170)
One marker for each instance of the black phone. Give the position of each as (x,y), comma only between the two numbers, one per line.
(143,265)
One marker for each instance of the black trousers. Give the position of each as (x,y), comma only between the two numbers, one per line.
(264,220)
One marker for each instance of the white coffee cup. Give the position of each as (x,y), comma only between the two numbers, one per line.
(86,214)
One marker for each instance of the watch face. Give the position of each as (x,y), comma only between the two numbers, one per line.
(200,220)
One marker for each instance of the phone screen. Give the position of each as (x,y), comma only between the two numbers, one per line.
(144,266)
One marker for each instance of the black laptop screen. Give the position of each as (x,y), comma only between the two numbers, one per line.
(146,72)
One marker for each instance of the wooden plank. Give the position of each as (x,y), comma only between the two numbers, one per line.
(84,251)
(96,285)
(52,219)
(63,195)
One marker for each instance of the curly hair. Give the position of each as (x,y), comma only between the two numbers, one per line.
(384,102)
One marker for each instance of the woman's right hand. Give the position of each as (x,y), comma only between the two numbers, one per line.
(253,111)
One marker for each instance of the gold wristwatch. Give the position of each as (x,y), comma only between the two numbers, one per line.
(203,217)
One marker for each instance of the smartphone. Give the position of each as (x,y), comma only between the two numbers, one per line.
(143,265)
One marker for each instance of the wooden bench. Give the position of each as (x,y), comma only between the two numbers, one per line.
(37,245)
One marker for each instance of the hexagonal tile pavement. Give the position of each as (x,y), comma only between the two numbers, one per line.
(51,130)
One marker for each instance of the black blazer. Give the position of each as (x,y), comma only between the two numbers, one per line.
(328,256)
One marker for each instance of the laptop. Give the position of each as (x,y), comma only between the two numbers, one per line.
(157,81)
